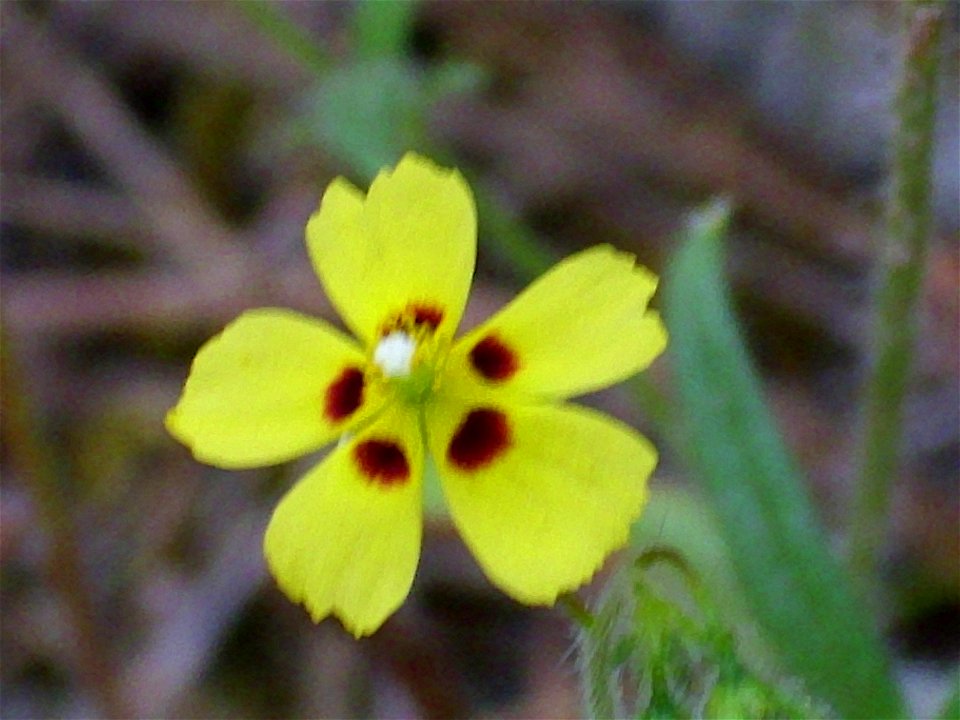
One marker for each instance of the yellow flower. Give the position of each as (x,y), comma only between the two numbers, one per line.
(541,490)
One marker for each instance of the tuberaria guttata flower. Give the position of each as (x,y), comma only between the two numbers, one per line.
(541,490)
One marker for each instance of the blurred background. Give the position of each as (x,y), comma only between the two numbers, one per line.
(159,161)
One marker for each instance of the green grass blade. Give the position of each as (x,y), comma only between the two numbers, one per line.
(798,593)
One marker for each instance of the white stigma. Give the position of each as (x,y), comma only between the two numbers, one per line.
(394,354)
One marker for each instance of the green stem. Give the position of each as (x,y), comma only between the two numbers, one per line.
(34,461)
(510,239)
(596,646)
(273,20)
(577,610)
(901,266)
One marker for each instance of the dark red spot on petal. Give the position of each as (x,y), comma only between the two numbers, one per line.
(481,438)
(382,461)
(493,359)
(428,315)
(344,395)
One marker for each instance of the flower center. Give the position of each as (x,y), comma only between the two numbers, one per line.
(408,363)
(394,354)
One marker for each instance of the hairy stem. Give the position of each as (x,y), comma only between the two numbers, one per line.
(901,265)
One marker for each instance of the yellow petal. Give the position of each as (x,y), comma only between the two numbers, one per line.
(410,242)
(582,326)
(346,539)
(541,494)
(272,386)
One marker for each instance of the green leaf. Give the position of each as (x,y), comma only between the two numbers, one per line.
(368,113)
(797,591)
(381,28)
(452,78)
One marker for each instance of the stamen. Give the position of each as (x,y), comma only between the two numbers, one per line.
(413,319)
(427,315)
(394,354)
